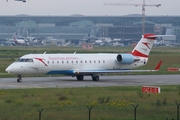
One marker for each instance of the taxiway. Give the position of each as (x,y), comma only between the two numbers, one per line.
(67,81)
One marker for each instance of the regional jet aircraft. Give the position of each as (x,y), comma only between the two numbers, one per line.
(80,65)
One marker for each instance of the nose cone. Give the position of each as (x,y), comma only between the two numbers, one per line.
(12,68)
(16,68)
(9,68)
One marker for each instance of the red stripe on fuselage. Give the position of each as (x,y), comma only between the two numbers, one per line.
(40,59)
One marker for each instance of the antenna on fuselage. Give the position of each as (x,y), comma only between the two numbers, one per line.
(44,52)
(74,52)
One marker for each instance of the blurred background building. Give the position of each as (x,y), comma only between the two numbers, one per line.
(78,27)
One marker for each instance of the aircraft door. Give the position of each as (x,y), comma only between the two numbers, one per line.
(42,64)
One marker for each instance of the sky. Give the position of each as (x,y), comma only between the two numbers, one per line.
(88,7)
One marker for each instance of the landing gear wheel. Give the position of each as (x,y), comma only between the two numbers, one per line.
(95,77)
(80,77)
(19,78)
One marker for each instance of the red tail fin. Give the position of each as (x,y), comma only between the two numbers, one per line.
(144,46)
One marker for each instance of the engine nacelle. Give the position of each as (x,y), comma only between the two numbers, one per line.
(125,58)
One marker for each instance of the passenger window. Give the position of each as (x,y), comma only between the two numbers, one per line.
(62,62)
(103,61)
(94,61)
(85,61)
(99,61)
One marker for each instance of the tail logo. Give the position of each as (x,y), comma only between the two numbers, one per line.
(146,44)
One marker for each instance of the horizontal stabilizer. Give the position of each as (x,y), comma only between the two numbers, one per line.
(164,35)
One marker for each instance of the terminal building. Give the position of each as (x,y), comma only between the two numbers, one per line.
(79,27)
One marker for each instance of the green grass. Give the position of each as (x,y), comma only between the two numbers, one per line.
(109,103)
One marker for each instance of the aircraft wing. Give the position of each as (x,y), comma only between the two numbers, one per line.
(88,72)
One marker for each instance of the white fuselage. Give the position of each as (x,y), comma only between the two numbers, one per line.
(20,41)
(68,63)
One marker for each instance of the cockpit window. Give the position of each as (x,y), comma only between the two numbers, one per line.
(25,60)
(29,60)
(20,60)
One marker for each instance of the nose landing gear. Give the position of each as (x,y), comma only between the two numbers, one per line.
(19,78)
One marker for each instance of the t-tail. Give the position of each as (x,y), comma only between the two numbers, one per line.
(144,46)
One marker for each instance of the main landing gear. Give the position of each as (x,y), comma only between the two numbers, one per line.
(95,77)
(81,77)
(19,78)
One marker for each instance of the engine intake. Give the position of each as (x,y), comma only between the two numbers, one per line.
(125,58)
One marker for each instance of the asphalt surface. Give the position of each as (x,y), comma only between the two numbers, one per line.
(68,81)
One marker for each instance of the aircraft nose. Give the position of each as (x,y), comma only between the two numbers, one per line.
(15,68)
(9,69)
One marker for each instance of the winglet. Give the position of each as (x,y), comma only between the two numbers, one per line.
(158,65)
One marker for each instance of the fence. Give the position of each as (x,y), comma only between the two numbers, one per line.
(102,112)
